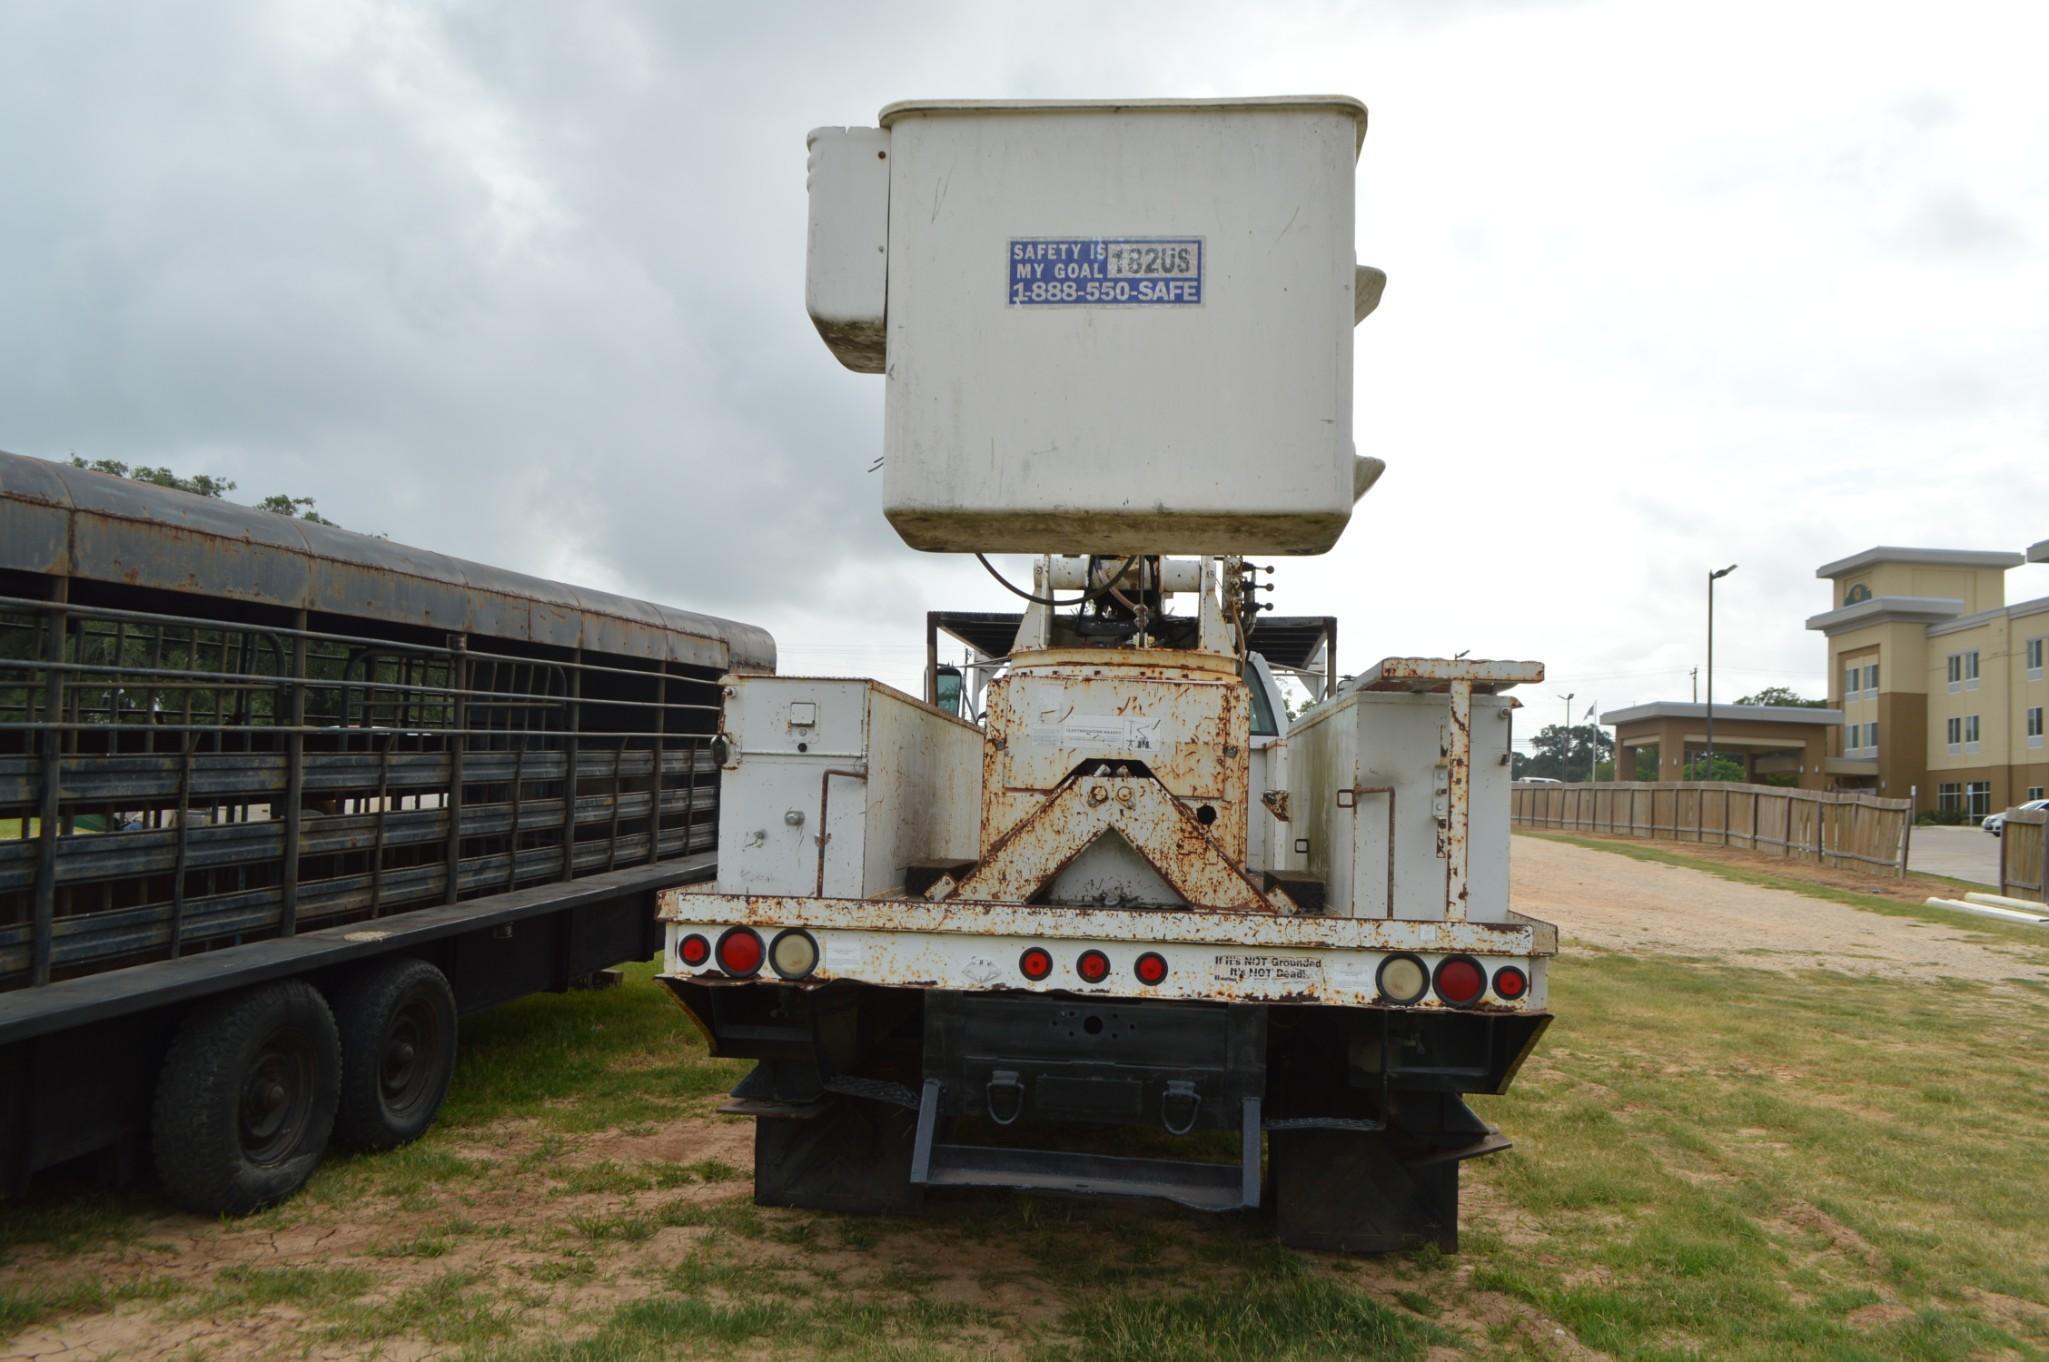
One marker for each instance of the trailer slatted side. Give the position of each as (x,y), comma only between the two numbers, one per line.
(260,772)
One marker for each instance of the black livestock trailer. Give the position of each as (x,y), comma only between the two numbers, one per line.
(278,802)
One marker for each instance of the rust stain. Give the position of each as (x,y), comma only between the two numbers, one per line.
(1141,811)
(1184,718)
(961,916)
(1458,762)
(1437,674)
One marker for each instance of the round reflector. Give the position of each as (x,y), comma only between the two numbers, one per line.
(693,949)
(1151,968)
(1036,963)
(1510,983)
(740,952)
(1093,967)
(1460,980)
(1403,979)
(793,954)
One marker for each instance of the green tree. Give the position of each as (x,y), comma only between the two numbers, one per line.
(294,508)
(1726,768)
(1562,753)
(1782,695)
(201,485)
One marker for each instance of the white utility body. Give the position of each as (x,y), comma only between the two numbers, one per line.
(1116,335)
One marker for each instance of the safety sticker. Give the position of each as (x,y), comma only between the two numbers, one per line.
(1118,731)
(1104,271)
(1287,971)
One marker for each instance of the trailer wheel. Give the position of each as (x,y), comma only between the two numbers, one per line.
(246,1098)
(397,1021)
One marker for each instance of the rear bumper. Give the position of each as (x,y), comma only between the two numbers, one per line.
(981,1063)
(1210,956)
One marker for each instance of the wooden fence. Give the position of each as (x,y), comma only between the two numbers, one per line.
(1859,832)
(2024,855)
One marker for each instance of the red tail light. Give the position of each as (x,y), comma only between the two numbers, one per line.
(1036,963)
(1151,968)
(1093,967)
(741,953)
(694,950)
(1460,980)
(1510,983)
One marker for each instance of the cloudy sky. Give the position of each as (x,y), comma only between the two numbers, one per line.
(1672,286)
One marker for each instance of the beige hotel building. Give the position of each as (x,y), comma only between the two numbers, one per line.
(1940,682)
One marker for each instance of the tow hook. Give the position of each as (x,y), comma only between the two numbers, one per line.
(1180,1096)
(1005,1096)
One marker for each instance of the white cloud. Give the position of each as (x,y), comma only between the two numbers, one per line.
(1671,286)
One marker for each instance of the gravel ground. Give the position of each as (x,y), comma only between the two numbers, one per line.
(1612,902)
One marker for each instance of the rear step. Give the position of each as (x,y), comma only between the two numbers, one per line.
(1201,1186)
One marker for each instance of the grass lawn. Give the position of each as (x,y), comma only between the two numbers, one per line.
(1709,1163)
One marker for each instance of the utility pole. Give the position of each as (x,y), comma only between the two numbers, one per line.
(1565,746)
(1685,765)
(1594,748)
(1713,577)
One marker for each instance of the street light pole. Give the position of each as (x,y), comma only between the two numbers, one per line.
(1565,743)
(1712,578)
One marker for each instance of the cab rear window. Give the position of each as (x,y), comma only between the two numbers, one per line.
(1264,724)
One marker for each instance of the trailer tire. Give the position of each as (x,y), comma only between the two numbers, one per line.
(245,1099)
(397,1022)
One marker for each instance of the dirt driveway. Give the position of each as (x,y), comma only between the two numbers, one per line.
(1615,902)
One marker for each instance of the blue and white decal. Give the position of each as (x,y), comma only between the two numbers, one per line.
(1104,271)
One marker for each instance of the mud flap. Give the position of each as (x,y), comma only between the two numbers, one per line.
(852,1156)
(1349,1191)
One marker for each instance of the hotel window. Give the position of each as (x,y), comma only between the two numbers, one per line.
(1850,682)
(1871,735)
(2034,725)
(1955,734)
(2034,792)
(1963,670)
(1971,732)
(1850,743)
(1948,796)
(1978,798)
(1871,679)
(2035,658)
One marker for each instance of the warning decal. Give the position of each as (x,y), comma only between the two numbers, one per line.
(1110,731)
(1295,971)
(1104,271)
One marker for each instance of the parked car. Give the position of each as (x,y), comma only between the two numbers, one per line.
(1537,780)
(1996,823)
